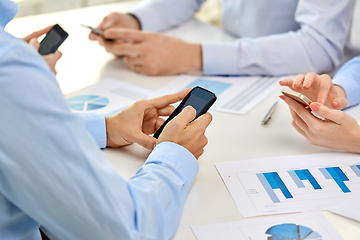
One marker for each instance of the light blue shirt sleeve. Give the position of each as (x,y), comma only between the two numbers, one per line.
(52,173)
(348,77)
(159,15)
(95,124)
(275,37)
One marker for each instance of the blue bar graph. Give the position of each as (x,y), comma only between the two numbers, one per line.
(272,181)
(339,177)
(325,173)
(296,179)
(268,188)
(305,174)
(356,169)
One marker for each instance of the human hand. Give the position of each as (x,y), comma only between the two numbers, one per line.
(135,123)
(37,34)
(51,59)
(190,135)
(116,20)
(153,53)
(339,131)
(319,88)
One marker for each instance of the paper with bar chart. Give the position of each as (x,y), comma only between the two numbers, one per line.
(235,94)
(108,96)
(301,226)
(291,184)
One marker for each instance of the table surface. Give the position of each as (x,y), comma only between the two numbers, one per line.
(231,137)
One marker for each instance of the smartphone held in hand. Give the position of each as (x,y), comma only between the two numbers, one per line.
(300,98)
(199,98)
(52,41)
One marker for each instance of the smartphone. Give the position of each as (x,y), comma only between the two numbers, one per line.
(199,98)
(94,30)
(301,99)
(52,41)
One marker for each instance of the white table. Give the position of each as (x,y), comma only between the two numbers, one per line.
(231,137)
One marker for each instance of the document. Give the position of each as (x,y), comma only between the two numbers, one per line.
(348,209)
(291,184)
(235,94)
(109,96)
(302,226)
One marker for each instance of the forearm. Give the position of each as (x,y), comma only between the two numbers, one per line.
(54,172)
(317,46)
(348,78)
(159,15)
(288,53)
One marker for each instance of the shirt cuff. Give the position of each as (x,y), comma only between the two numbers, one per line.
(178,157)
(219,58)
(351,88)
(95,124)
(148,22)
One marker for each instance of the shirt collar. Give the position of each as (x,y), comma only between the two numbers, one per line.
(8,10)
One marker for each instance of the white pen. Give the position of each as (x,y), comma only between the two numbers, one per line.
(269,114)
(94,30)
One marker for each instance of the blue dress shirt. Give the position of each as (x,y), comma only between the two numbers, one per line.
(52,173)
(275,37)
(348,77)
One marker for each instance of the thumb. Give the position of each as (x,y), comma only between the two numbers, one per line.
(330,114)
(57,55)
(187,115)
(339,103)
(145,140)
(35,43)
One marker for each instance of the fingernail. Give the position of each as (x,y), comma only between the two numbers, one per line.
(336,104)
(282,97)
(280,82)
(305,85)
(315,106)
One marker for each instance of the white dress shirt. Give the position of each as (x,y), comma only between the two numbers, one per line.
(275,37)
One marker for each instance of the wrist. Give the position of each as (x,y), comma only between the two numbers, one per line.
(354,146)
(134,21)
(194,58)
(340,91)
(108,125)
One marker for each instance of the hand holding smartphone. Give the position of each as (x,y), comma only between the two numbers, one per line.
(300,98)
(199,98)
(52,41)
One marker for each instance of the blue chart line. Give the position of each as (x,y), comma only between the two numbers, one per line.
(214,86)
(296,179)
(305,174)
(356,169)
(272,181)
(338,175)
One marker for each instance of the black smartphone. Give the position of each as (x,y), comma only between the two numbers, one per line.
(199,98)
(52,41)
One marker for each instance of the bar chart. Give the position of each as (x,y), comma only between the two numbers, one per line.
(291,184)
(272,180)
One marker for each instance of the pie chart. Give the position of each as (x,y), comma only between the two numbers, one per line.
(87,102)
(291,231)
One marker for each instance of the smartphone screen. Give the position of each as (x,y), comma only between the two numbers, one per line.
(52,41)
(199,98)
